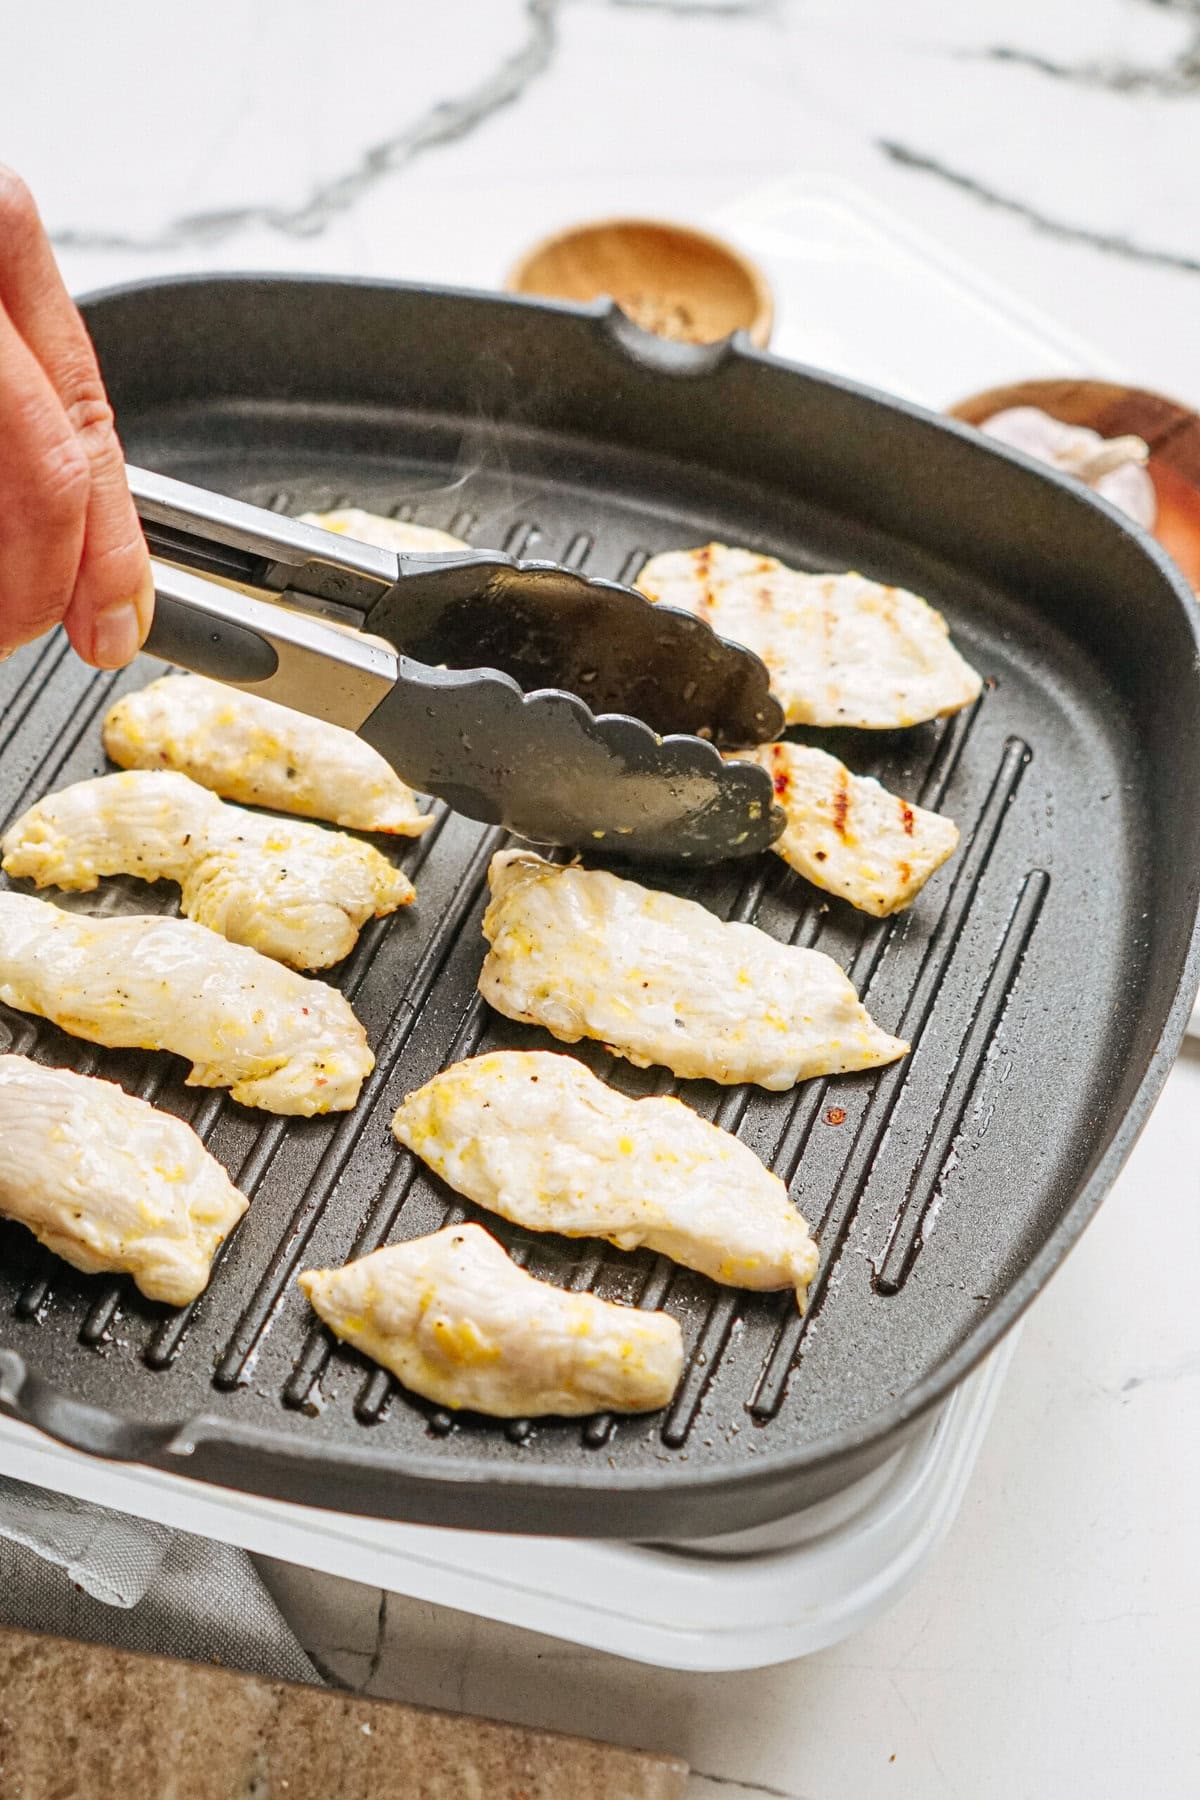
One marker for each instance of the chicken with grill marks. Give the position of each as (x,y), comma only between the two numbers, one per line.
(841,650)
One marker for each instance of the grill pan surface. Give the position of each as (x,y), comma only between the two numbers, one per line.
(1044,975)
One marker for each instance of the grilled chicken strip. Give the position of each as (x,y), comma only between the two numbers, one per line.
(847,834)
(537,1138)
(385,534)
(274,1038)
(841,650)
(455,1320)
(262,754)
(294,891)
(661,980)
(109,1184)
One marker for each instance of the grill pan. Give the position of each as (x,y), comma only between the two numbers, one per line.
(1045,974)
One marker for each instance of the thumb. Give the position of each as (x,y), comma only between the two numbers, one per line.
(113,603)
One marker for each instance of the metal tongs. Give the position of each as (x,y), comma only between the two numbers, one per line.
(569,709)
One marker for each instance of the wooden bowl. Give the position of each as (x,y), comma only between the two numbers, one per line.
(671,280)
(1171,430)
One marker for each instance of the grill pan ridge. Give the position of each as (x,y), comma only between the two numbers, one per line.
(1044,975)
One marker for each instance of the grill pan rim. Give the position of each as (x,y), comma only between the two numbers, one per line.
(25,1394)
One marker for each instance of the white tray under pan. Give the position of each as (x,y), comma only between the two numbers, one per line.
(731,1604)
(860,297)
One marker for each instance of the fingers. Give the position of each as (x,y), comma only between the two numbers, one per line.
(113,603)
(44,484)
(110,603)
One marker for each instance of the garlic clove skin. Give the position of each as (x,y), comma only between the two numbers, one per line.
(1113,467)
(1130,488)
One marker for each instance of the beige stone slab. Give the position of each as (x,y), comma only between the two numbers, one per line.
(84,1722)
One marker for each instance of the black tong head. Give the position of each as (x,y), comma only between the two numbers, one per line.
(569,709)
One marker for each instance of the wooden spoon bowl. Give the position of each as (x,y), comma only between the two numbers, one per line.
(1171,430)
(673,281)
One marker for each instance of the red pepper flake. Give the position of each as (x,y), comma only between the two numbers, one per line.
(907,818)
(904,870)
(836,1115)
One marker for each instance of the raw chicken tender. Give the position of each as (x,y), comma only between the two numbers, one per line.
(108,1183)
(841,650)
(661,980)
(455,1320)
(847,834)
(537,1138)
(385,534)
(274,1038)
(263,754)
(293,891)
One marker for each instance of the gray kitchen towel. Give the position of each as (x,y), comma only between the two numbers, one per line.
(82,1571)
(110,1556)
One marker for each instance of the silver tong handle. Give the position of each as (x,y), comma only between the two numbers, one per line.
(259,548)
(268,649)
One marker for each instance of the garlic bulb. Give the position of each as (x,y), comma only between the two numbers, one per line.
(1114,467)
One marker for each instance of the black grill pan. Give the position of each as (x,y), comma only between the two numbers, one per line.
(1045,974)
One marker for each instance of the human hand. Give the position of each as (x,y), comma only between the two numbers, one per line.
(71,547)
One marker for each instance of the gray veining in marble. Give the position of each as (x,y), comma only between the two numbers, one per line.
(451,120)
(443,123)
(706,8)
(1177,78)
(1112,243)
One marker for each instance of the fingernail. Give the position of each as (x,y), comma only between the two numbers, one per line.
(144,601)
(116,635)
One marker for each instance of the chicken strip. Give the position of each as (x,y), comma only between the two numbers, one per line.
(661,980)
(454,1319)
(249,749)
(385,534)
(536,1137)
(109,1184)
(845,833)
(841,650)
(274,1038)
(294,891)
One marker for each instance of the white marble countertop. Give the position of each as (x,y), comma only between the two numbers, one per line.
(1054,1646)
